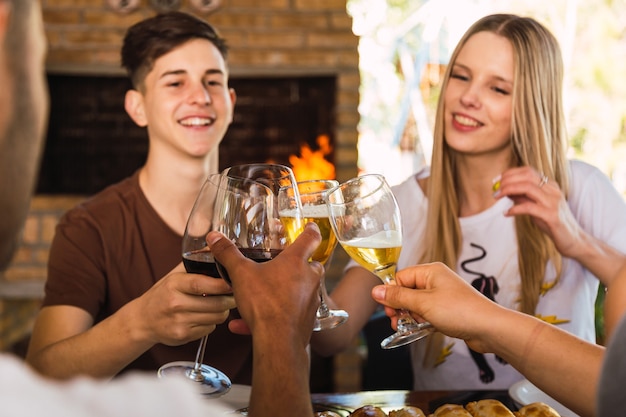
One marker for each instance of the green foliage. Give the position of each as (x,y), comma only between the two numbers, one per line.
(577,141)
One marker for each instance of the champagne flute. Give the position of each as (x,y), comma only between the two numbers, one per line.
(217,190)
(314,209)
(366,219)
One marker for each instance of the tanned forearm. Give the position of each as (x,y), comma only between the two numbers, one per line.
(563,365)
(280,376)
(601,259)
(101,351)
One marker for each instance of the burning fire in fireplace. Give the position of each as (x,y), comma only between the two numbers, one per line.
(312,165)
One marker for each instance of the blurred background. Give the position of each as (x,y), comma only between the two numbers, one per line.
(405,45)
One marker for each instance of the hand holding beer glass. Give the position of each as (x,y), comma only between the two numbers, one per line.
(366,219)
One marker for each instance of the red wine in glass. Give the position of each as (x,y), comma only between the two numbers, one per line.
(257,255)
(211,381)
(200,262)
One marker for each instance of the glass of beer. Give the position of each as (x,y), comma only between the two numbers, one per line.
(365,217)
(314,209)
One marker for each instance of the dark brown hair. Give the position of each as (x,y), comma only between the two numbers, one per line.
(154,37)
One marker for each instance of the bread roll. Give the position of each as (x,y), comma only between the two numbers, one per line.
(368,411)
(537,410)
(327,414)
(451,410)
(407,411)
(488,408)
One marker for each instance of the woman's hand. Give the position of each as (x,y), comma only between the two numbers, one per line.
(540,197)
(433,292)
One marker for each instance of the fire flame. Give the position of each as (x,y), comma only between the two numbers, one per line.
(312,165)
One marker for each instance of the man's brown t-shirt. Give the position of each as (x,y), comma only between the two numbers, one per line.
(111,249)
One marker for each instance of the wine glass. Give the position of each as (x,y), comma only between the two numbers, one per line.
(258,230)
(216,193)
(274,176)
(314,209)
(366,219)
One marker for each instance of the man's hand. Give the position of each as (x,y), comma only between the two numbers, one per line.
(182,307)
(281,294)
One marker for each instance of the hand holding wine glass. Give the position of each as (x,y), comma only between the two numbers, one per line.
(218,194)
(366,219)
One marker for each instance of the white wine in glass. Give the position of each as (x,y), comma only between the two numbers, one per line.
(378,253)
(314,209)
(366,219)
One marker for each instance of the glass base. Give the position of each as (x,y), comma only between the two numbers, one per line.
(209,381)
(331,320)
(409,335)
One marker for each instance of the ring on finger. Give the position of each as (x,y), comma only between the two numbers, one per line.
(543,181)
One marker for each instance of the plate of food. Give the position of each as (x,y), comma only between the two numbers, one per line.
(480,408)
(524,393)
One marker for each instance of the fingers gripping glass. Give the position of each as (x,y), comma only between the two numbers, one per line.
(366,219)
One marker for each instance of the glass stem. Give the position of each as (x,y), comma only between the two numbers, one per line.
(404,318)
(196,373)
(322,310)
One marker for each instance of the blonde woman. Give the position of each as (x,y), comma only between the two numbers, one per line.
(500,204)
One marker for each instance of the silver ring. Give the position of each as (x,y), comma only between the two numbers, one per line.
(543,181)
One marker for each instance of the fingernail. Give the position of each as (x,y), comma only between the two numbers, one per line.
(213,237)
(312,225)
(378,292)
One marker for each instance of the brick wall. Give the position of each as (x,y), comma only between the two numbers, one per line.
(286,37)
(270,37)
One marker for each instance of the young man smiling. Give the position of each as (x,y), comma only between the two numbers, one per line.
(117,296)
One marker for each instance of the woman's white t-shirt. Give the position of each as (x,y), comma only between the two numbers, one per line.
(488,260)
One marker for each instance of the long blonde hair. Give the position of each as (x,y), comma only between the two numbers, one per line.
(538,139)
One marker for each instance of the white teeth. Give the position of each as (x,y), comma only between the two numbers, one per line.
(196,121)
(465,121)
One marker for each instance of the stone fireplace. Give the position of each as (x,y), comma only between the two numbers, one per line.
(283,47)
(92,142)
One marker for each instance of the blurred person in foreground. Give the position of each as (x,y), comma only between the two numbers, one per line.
(23,114)
(117,295)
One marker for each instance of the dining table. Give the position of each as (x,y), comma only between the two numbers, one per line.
(388,400)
